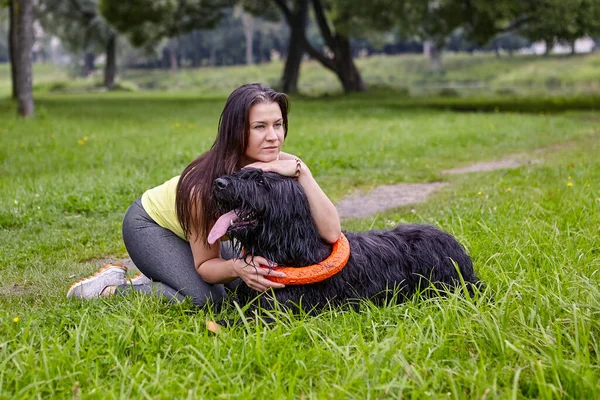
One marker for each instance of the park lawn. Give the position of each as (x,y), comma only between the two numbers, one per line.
(69,174)
(479,74)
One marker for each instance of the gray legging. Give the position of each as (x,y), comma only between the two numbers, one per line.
(167,260)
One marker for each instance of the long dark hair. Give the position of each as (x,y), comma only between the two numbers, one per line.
(194,205)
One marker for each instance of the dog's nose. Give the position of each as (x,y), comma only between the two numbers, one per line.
(220,183)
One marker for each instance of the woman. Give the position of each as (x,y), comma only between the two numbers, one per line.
(166,231)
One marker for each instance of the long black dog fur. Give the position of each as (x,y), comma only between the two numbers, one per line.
(275,223)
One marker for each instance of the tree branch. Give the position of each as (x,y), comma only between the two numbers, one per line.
(289,16)
(85,15)
(287,13)
(327,63)
(515,25)
(323,25)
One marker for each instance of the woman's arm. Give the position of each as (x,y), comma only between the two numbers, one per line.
(213,269)
(322,209)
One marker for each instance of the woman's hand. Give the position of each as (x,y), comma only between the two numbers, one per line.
(281,167)
(251,272)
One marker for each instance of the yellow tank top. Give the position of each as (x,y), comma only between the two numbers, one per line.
(159,203)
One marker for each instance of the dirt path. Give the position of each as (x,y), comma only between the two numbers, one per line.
(506,163)
(391,196)
(385,197)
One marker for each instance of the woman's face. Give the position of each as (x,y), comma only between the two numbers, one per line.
(266,133)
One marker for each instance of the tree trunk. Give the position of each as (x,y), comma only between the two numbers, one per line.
(89,64)
(22,18)
(297,20)
(110,68)
(549,46)
(212,50)
(435,56)
(346,70)
(11,49)
(172,56)
(196,55)
(435,60)
(573,49)
(342,63)
(248,25)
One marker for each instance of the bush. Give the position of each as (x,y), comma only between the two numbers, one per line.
(125,86)
(506,92)
(516,104)
(50,87)
(553,83)
(448,92)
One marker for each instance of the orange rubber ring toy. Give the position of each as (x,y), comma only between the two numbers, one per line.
(327,268)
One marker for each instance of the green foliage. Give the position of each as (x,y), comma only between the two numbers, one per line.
(77,23)
(564,20)
(480,20)
(148,21)
(226,44)
(512,103)
(448,92)
(265,9)
(535,246)
(535,19)
(426,20)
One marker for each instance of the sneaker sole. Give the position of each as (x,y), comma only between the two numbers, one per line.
(140,276)
(94,276)
(136,276)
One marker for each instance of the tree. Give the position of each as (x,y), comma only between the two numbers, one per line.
(337,21)
(296,18)
(429,21)
(436,23)
(82,29)
(146,22)
(337,38)
(110,66)
(21,43)
(226,44)
(248,24)
(548,20)
(565,20)
(334,21)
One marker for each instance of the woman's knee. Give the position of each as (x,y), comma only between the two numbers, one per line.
(212,294)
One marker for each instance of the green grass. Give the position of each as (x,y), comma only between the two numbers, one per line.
(536,246)
(481,75)
(44,74)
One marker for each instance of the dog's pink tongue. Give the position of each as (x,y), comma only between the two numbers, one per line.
(221,226)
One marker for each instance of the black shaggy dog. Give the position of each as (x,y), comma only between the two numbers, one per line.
(271,218)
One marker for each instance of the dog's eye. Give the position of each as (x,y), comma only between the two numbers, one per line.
(261,182)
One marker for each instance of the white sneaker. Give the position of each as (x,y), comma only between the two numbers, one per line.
(139,279)
(94,285)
